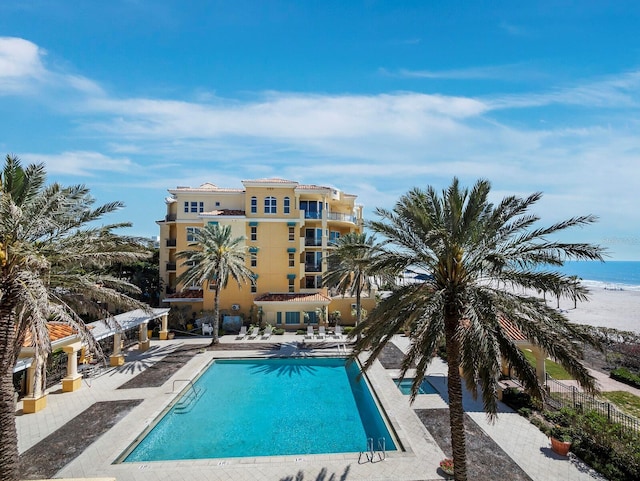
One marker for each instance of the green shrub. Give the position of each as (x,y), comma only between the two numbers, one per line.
(347,330)
(278,332)
(524,412)
(517,399)
(605,446)
(623,374)
(301,332)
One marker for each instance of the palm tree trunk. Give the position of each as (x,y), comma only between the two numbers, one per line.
(456,410)
(9,461)
(216,315)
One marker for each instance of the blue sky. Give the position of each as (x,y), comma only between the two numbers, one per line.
(132,97)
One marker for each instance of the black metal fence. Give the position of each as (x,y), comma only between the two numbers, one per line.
(560,395)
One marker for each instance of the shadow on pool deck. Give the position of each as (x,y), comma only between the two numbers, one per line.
(62,446)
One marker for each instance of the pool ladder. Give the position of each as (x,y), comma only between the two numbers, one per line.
(370,453)
(187,401)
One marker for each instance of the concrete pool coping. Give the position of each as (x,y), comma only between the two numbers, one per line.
(97,459)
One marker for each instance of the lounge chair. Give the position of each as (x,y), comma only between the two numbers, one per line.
(207,330)
(243,333)
(321,332)
(338,332)
(254,332)
(310,332)
(267,332)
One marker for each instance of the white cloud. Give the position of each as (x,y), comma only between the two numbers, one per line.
(81,163)
(20,64)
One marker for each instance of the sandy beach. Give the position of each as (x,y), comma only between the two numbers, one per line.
(619,309)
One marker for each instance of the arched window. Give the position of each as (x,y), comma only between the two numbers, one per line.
(254,205)
(287,205)
(269,205)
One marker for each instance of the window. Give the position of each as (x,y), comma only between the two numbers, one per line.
(312,209)
(287,205)
(278,317)
(186,206)
(292,259)
(217,204)
(254,205)
(311,317)
(254,286)
(292,233)
(292,284)
(254,233)
(191,233)
(194,207)
(254,260)
(333,237)
(292,317)
(269,205)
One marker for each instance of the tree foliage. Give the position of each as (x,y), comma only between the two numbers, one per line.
(482,261)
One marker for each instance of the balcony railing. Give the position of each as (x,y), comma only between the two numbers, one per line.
(171,242)
(308,267)
(171,266)
(170,217)
(341,217)
(312,215)
(313,241)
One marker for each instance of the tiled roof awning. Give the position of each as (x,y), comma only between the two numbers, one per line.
(512,331)
(293,297)
(187,295)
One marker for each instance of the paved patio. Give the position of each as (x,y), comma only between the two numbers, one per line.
(522,442)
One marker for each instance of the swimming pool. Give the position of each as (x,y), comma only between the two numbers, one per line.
(267,407)
(405,386)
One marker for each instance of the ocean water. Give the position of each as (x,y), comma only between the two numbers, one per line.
(610,274)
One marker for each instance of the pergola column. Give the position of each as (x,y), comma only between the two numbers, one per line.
(164,328)
(117,358)
(143,337)
(36,398)
(73,380)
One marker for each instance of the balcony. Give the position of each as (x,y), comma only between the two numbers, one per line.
(341,217)
(171,266)
(312,215)
(313,241)
(171,242)
(310,267)
(170,218)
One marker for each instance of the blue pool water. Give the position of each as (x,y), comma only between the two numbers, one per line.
(266,407)
(405,386)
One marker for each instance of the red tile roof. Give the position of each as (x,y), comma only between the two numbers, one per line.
(292,297)
(186,294)
(512,331)
(57,331)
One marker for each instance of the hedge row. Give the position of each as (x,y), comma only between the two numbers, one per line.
(624,375)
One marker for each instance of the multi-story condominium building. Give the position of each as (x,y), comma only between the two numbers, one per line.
(289,230)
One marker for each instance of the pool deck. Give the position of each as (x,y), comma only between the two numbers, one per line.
(524,443)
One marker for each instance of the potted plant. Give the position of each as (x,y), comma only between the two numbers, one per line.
(447,466)
(560,440)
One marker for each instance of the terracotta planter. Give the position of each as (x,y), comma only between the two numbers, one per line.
(560,447)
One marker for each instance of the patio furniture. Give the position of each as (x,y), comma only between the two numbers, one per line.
(207,330)
(243,333)
(338,332)
(309,332)
(267,332)
(321,332)
(254,332)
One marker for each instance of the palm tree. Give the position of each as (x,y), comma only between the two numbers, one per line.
(350,267)
(51,269)
(478,255)
(218,257)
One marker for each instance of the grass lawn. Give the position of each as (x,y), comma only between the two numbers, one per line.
(554,369)
(627,402)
